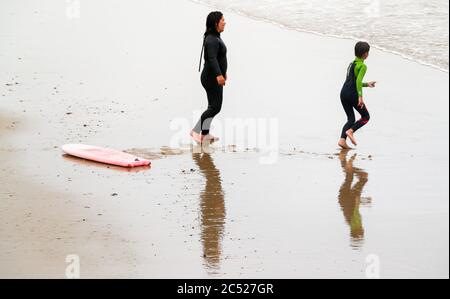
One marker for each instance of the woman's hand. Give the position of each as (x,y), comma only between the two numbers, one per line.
(221,80)
(361,102)
(371,84)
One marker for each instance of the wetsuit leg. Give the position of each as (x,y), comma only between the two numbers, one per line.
(349,103)
(365,117)
(215,99)
(348,108)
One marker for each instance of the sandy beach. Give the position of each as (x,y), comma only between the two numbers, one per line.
(125,76)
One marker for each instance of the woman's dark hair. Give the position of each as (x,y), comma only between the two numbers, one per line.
(361,48)
(212,21)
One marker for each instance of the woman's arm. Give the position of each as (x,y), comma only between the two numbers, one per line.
(212,51)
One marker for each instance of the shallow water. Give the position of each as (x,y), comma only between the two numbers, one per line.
(414,29)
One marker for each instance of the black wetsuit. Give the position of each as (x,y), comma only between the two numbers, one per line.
(349,100)
(215,65)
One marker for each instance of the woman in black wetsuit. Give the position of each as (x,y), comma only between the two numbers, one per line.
(214,75)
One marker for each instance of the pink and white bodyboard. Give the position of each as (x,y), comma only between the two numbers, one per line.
(104,155)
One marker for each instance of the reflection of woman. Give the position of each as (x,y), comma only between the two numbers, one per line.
(350,197)
(212,206)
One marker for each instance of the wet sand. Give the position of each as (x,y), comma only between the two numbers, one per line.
(107,79)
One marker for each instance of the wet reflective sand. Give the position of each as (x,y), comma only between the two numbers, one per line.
(316,211)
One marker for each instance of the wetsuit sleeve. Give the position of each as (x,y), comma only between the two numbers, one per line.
(212,51)
(360,78)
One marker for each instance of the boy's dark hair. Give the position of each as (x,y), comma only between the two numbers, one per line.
(361,48)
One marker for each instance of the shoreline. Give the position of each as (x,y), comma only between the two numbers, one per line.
(341,37)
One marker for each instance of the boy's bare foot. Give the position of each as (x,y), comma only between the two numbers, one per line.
(352,138)
(343,144)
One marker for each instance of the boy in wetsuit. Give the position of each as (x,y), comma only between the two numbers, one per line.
(352,95)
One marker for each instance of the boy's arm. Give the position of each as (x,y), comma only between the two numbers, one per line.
(359,80)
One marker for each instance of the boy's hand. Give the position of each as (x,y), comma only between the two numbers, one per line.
(371,84)
(361,102)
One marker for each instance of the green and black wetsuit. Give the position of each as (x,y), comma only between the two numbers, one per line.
(216,64)
(351,91)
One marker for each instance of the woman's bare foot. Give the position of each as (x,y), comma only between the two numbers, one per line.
(343,144)
(199,138)
(209,138)
(213,138)
(352,138)
(196,137)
